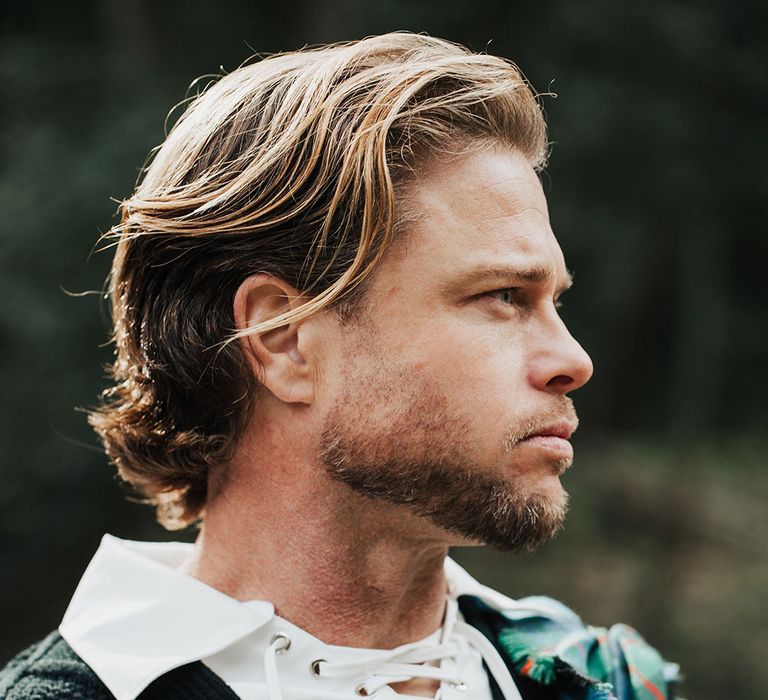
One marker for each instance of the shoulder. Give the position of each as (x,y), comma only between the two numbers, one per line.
(50,670)
(546,643)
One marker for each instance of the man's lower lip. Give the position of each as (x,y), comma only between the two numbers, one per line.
(556,445)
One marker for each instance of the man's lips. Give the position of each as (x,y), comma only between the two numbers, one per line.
(552,439)
(563,429)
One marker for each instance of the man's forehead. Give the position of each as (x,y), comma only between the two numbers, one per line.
(489,201)
(488,183)
(484,216)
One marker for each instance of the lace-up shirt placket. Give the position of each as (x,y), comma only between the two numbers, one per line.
(135,616)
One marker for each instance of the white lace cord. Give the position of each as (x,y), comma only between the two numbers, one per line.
(279,644)
(403,665)
(395,667)
(492,659)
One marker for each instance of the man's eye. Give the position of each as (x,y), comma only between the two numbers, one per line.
(505,296)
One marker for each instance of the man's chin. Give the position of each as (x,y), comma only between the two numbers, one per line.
(550,487)
(509,521)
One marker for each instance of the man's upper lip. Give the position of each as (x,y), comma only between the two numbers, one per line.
(562,430)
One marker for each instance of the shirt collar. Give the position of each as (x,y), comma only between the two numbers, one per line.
(135,616)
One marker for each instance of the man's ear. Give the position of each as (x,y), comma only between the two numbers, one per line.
(276,355)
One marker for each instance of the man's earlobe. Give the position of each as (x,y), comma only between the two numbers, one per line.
(276,355)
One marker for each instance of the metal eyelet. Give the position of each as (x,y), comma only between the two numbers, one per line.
(314,667)
(363,693)
(285,643)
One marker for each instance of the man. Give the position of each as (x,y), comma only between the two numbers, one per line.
(335,298)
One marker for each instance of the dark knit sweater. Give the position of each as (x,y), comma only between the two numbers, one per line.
(50,670)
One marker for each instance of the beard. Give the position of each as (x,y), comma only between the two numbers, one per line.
(391,436)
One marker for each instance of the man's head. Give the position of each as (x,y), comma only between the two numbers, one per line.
(375,189)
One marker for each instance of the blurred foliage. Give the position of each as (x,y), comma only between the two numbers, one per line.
(655,191)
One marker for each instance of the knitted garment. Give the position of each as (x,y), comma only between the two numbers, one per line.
(551,654)
(50,670)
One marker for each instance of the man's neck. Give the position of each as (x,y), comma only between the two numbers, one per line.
(340,566)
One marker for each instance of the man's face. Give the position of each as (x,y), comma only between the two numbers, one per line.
(451,387)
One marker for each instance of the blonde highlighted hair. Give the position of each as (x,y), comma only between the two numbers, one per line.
(289,166)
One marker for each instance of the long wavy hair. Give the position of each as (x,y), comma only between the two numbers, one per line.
(290,165)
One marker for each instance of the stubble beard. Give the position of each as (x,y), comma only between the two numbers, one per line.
(397,441)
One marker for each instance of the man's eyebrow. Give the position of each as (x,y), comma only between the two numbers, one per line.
(511,275)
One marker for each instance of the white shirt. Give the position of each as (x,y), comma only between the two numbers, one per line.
(136,616)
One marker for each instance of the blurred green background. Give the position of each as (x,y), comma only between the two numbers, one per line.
(656,187)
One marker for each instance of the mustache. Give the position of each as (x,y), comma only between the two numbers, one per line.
(563,412)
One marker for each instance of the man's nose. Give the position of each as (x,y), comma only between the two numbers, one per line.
(560,364)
